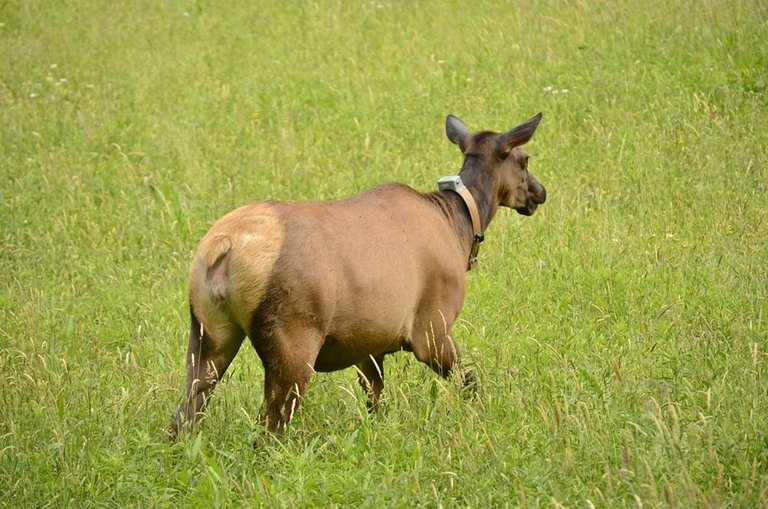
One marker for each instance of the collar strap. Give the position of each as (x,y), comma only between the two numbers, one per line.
(455,184)
(477,235)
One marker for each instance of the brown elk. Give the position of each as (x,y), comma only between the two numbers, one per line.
(321,286)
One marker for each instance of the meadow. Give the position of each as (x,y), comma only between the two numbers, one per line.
(619,334)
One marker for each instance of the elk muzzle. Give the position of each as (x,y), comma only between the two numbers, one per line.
(536,196)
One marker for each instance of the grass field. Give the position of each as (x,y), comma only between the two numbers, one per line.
(632,308)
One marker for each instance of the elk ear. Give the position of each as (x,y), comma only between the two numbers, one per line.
(517,136)
(456,131)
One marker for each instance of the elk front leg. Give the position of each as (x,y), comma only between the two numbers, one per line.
(436,348)
(371,378)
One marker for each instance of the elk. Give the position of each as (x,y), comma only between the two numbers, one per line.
(322,286)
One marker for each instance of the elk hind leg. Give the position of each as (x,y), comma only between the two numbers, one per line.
(288,356)
(371,378)
(209,354)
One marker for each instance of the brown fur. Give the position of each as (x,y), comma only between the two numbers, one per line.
(321,286)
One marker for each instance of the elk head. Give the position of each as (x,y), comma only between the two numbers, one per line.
(496,167)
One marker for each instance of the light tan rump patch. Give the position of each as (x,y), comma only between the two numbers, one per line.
(229,275)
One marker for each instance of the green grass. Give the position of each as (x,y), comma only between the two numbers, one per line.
(632,307)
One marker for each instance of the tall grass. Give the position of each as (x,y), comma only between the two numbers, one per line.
(619,334)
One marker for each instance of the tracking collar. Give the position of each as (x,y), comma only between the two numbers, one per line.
(454,183)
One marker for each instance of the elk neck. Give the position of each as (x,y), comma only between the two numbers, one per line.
(477,179)
(477,176)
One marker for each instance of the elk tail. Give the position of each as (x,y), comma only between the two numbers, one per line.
(217,262)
